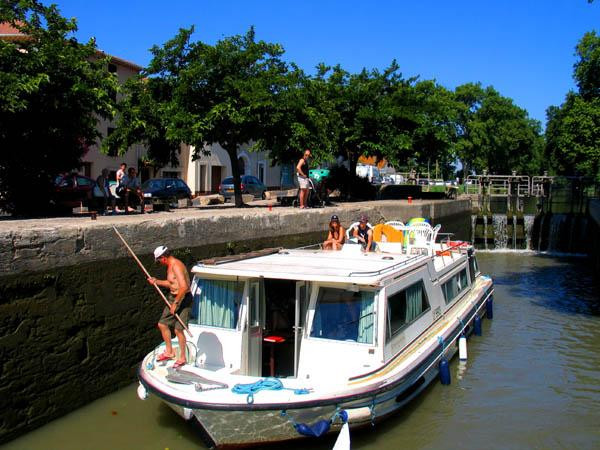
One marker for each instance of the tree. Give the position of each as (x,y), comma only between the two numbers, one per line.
(204,94)
(587,68)
(365,119)
(142,117)
(494,133)
(53,91)
(573,129)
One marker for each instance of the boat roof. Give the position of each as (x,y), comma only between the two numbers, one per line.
(316,265)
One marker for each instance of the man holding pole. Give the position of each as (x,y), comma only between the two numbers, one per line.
(180,299)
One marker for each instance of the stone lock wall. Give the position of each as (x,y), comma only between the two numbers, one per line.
(77,315)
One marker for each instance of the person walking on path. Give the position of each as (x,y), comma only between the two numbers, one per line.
(178,284)
(302,173)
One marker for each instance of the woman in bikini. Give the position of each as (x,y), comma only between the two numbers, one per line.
(336,236)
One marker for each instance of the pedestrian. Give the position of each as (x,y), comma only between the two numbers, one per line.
(102,193)
(130,191)
(180,299)
(302,173)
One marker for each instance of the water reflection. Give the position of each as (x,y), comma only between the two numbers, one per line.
(531,381)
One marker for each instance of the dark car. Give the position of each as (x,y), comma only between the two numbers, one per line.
(249,185)
(165,190)
(72,190)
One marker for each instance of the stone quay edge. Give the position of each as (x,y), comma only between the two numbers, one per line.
(41,244)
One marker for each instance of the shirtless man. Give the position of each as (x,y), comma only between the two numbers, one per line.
(178,283)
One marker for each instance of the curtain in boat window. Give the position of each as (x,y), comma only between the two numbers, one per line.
(366,321)
(414,302)
(217,302)
(344,315)
(455,285)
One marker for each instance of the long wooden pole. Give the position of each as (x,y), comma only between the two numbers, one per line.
(148,276)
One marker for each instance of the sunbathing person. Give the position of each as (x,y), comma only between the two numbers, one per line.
(336,236)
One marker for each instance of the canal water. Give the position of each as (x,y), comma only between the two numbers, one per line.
(532,380)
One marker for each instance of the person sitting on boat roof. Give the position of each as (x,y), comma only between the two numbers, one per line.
(364,234)
(178,283)
(336,236)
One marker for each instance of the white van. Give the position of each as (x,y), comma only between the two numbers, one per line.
(369,172)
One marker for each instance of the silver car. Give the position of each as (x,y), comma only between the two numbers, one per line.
(249,185)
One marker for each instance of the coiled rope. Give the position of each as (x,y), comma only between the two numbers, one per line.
(266,384)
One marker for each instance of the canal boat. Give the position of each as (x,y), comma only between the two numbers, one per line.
(287,344)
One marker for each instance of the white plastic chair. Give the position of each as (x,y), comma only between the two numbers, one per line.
(396,224)
(422,236)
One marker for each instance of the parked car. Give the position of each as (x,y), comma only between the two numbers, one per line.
(165,190)
(249,185)
(71,191)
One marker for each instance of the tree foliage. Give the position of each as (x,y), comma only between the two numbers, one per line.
(494,134)
(573,128)
(203,94)
(53,91)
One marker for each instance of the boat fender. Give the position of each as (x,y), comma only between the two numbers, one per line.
(444,371)
(489,308)
(142,392)
(317,429)
(444,367)
(462,347)
(477,326)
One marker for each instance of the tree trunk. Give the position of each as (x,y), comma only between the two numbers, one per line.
(235,171)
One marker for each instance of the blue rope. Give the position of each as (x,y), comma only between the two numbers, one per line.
(441,341)
(266,384)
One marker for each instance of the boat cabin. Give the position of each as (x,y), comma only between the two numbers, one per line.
(308,313)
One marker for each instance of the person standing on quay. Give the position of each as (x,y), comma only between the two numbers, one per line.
(178,284)
(302,173)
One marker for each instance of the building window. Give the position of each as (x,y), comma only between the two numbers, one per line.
(405,307)
(455,286)
(112,68)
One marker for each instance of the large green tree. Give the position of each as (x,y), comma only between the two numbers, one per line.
(53,89)
(573,129)
(203,94)
(494,133)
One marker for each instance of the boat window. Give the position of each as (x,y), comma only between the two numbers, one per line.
(405,307)
(344,315)
(455,285)
(217,303)
(473,267)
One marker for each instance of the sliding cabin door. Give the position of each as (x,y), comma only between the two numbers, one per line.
(256,314)
(302,299)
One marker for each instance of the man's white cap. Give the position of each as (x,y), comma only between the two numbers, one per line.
(159,251)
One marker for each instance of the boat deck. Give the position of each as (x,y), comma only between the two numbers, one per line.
(350,266)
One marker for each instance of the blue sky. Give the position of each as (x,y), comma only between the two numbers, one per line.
(525,49)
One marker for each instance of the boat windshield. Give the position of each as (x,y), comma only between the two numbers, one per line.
(344,315)
(217,303)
